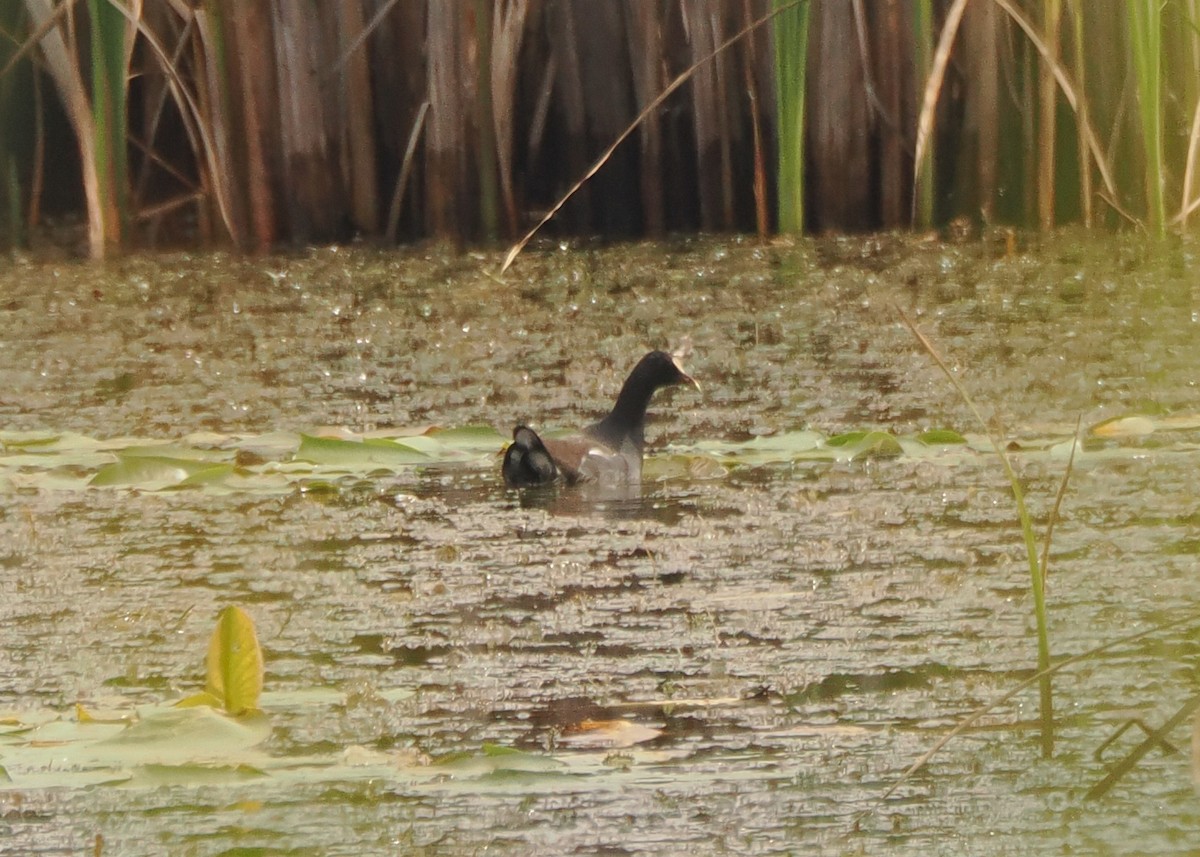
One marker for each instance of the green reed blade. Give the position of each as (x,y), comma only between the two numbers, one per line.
(109,106)
(791,59)
(1037,569)
(1145,38)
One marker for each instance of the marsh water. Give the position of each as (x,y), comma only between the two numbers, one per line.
(742,657)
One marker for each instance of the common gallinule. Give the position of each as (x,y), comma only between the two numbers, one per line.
(608,452)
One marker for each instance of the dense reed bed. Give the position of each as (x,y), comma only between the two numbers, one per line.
(164,121)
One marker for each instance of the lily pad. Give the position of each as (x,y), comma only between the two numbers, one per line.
(151,472)
(941,437)
(234,663)
(357,455)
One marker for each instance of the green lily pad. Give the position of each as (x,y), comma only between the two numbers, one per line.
(495,758)
(357,455)
(476,438)
(28,439)
(871,444)
(941,437)
(178,736)
(151,472)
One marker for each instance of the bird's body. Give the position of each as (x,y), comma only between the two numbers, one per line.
(608,452)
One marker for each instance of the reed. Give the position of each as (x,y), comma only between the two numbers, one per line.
(489,196)
(508,30)
(1047,126)
(357,110)
(109,111)
(1038,567)
(1037,678)
(55,39)
(1145,42)
(1080,66)
(270,124)
(923,34)
(791,61)
(15,99)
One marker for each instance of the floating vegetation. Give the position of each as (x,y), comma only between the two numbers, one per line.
(281,462)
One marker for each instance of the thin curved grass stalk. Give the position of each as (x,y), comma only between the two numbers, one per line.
(359,40)
(1036,570)
(1058,498)
(169,205)
(199,134)
(1073,99)
(1036,678)
(153,158)
(154,110)
(393,223)
(15,100)
(38,171)
(761,219)
(516,249)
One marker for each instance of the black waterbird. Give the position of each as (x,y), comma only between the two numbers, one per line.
(609,451)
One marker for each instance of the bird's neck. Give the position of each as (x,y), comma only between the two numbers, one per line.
(627,420)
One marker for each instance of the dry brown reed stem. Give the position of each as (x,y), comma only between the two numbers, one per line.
(43,27)
(933,88)
(762,219)
(645,44)
(38,172)
(393,223)
(248,24)
(1188,203)
(359,163)
(516,249)
(1058,499)
(358,41)
(1085,166)
(508,29)
(1047,106)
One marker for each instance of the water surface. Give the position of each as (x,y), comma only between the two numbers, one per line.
(824,622)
